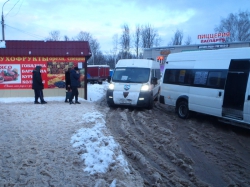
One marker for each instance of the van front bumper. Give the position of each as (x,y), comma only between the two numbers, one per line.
(142,101)
(109,97)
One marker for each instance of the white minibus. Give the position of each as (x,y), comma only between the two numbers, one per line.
(213,82)
(135,82)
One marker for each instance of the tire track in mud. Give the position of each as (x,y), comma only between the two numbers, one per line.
(150,146)
(168,151)
(220,152)
(224,147)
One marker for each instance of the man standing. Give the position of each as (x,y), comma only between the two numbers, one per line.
(75,83)
(68,88)
(37,85)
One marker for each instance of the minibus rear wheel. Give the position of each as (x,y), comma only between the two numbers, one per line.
(182,110)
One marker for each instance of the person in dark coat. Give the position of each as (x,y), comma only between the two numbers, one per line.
(75,83)
(67,82)
(37,85)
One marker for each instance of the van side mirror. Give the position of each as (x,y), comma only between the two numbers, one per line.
(154,80)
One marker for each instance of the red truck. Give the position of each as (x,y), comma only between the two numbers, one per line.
(97,73)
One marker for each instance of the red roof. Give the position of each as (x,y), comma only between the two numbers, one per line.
(45,48)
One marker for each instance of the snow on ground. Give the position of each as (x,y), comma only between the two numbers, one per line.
(99,149)
(96,91)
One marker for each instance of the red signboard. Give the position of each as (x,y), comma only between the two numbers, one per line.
(216,37)
(16,72)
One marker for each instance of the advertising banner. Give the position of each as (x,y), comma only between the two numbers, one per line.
(213,38)
(16,72)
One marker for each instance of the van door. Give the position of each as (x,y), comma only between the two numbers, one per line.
(235,89)
(155,73)
(206,94)
(246,110)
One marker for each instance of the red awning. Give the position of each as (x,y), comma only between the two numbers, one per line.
(45,48)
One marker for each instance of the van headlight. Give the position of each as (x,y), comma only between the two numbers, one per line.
(145,87)
(111,86)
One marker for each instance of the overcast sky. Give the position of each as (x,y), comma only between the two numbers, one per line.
(34,19)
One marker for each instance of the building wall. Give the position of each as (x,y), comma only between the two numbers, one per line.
(30,93)
(157,52)
(18,58)
(16,75)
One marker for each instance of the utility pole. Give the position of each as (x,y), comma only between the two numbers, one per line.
(3,22)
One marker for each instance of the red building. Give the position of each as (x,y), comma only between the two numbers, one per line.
(19,58)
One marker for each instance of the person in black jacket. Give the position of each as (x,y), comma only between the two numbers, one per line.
(75,83)
(37,85)
(67,82)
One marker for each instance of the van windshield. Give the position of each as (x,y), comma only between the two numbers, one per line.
(134,75)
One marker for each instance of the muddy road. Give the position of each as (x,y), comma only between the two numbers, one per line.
(168,151)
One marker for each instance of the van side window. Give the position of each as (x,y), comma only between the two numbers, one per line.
(181,76)
(200,77)
(152,72)
(157,73)
(169,76)
(216,79)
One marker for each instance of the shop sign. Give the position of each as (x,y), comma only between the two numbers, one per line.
(213,46)
(165,52)
(216,37)
(16,72)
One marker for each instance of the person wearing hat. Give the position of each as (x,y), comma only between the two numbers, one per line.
(37,85)
(75,83)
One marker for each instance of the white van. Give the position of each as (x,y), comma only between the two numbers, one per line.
(213,82)
(135,82)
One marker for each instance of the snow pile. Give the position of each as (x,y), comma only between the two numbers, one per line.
(96,91)
(99,151)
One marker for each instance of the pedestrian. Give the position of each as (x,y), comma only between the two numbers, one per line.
(37,85)
(75,83)
(68,87)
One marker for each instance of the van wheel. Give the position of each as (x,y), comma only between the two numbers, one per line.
(110,105)
(182,110)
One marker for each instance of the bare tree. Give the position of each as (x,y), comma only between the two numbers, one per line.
(94,46)
(125,41)
(115,47)
(66,38)
(137,41)
(84,36)
(238,25)
(54,36)
(157,41)
(149,36)
(188,40)
(177,39)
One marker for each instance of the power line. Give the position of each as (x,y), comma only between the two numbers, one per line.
(12,8)
(28,33)
(3,20)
